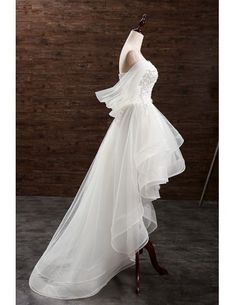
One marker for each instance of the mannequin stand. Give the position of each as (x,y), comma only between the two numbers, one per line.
(153,258)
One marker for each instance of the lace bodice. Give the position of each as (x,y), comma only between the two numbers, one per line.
(147,82)
(134,86)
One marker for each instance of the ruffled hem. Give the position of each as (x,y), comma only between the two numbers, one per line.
(51,289)
(156,168)
(150,177)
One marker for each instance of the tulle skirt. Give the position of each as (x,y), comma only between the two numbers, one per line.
(112,214)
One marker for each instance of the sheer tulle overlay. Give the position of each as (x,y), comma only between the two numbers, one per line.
(112,213)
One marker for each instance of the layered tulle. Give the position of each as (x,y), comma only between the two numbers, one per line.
(112,213)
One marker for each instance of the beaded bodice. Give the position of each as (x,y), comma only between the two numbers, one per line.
(147,82)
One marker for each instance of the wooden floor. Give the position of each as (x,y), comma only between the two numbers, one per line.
(185,240)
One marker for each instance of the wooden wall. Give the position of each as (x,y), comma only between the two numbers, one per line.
(68,49)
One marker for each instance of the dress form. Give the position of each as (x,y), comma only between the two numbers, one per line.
(130,54)
(131,51)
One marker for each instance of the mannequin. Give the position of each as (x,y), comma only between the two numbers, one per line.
(131,50)
(130,54)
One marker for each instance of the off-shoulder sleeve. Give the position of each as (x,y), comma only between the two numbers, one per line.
(109,96)
(123,93)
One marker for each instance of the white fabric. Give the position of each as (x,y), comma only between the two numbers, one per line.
(112,213)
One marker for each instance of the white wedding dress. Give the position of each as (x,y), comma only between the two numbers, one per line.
(112,213)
